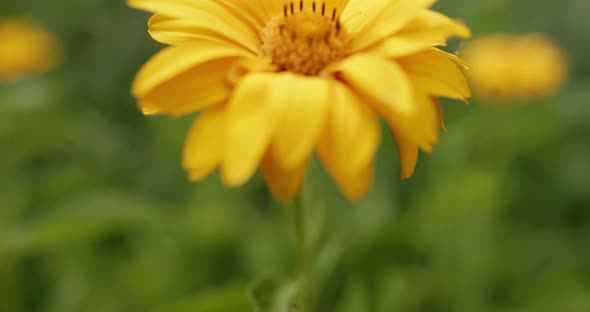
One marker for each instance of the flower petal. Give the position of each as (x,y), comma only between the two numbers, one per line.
(244,11)
(284,184)
(203,150)
(257,11)
(175,31)
(339,5)
(351,137)
(358,14)
(184,79)
(408,154)
(385,84)
(357,186)
(440,114)
(436,72)
(305,101)
(179,20)
(370,23)
(173,61)
(251,119)
(264,10)
(173,8)
(427,29)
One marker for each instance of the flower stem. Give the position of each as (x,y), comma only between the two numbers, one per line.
(303,265)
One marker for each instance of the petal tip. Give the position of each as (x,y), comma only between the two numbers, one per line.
(233,179)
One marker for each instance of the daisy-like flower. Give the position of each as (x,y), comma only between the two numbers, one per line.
(515,67)
(277,80)
(26,49)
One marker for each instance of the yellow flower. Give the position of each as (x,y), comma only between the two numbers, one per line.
(26,49)
(278,80)
(507,67)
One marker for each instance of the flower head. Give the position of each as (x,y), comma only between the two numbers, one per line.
(277,80)
(26,49)
(507,67)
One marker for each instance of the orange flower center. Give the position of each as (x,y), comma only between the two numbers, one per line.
(305,39)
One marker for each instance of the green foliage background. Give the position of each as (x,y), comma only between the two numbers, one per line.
(97,215)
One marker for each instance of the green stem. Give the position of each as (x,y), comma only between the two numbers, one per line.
(303,265)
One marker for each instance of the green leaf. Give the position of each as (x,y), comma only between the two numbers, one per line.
(81,220)
(230,299)
(270,294)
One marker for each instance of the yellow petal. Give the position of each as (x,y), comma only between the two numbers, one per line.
(429,121)
(184,79)
(213,25)
(191,91)
(229,10)
(339,5)
(284,184)
(388,89)
(358,14)
(435,72)
(249,65)
(203,148)
(305,100)
(408,154)
(440,114)
(252,114)
(374,21)
(258,11)
(160,29)
(264,10)
(351,136)
(428,29)
(245,12)
(432,21)
(173,61)
(175,8)
(357,186)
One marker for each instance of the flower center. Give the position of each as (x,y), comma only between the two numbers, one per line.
(305,39)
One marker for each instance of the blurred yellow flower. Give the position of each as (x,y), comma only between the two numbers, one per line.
(507,67)
(26,49)
(278,80)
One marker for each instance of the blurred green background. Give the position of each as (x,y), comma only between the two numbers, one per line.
(97,215)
